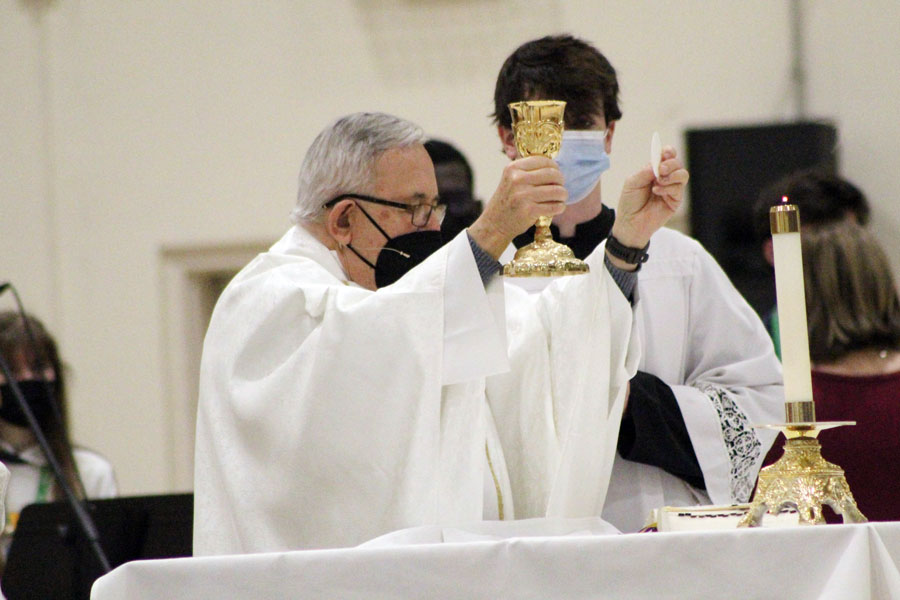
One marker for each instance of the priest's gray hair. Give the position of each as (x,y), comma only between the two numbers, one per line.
(341,159)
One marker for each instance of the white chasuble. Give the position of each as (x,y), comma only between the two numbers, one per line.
(559,407)
(330,414)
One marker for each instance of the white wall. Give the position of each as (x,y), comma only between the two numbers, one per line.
(129,128)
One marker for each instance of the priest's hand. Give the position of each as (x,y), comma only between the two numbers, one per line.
(647,203)
(530,187)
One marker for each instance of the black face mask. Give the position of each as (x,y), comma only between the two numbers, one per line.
(38,396)
(400,254)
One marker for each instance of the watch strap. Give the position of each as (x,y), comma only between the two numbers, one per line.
(632,256)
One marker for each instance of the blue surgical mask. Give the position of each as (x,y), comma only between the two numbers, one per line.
(582,159)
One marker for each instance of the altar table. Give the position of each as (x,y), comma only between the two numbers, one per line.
(828,561)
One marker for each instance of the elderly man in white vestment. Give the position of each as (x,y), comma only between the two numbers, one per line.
(344,395)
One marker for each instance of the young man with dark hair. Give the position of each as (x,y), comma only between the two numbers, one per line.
(708,371)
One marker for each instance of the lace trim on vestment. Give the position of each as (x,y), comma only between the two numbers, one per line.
(743,444)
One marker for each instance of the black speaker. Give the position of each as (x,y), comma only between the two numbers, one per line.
(729,167)
(50,559)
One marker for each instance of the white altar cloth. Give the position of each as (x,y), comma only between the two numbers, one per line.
(831,561)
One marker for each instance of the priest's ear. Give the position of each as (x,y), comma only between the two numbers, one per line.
(508,139)
(337,221)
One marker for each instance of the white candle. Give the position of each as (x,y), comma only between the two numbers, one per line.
(791,298)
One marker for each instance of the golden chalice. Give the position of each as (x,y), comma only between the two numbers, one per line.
(538,127)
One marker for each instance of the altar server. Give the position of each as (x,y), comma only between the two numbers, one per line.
(708,372)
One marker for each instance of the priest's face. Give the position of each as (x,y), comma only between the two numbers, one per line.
(402,175)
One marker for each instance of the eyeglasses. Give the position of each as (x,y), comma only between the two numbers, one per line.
(419,213)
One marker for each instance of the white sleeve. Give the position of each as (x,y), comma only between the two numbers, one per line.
(732,382)
(558,410)
(474,320)
(325,415)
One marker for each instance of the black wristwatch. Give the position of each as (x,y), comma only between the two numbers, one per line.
(633,256)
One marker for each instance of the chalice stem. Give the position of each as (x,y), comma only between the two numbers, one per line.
(542,229)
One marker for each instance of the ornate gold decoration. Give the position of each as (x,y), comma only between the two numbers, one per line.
(538,127)
(542,136)
(803,479)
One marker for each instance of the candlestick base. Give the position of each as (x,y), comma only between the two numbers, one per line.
(802,479)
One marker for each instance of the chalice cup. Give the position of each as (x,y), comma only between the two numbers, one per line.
(538,128)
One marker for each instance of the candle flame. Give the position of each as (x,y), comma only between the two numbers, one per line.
(784,199)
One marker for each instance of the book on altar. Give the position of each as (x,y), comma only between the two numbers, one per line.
(709,517)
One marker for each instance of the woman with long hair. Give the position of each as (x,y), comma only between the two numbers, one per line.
(32,356)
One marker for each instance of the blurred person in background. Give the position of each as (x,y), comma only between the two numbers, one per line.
(823,199)
(456,187)
(33,358)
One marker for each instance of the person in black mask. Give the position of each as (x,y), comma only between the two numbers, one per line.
(340,400)
(455,187)
(32,356)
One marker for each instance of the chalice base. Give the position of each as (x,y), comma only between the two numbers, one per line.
(544,257)
(802,479)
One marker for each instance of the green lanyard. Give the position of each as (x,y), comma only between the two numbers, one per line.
(43,491)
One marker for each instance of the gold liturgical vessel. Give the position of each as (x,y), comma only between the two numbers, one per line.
(801,477)
(538,128)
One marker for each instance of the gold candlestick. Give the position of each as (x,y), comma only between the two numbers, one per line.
(538,127)
(801,478)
